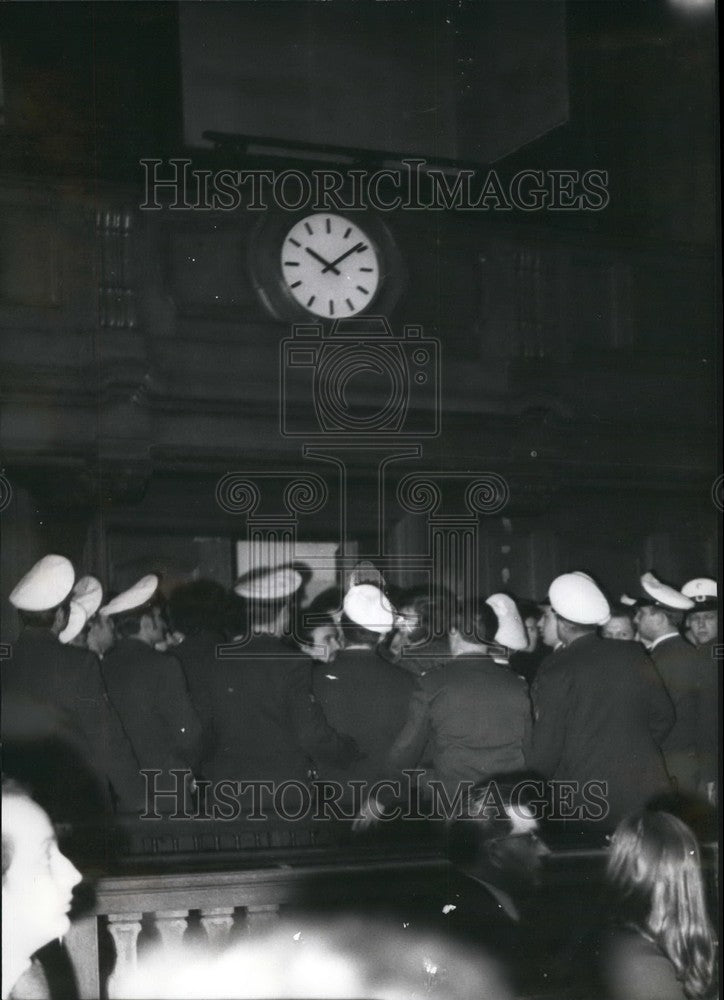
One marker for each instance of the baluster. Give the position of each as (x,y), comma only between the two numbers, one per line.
(124,929)
(261,918)
(171,926)
(217,921)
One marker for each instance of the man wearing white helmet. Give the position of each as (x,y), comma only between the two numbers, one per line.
(360,693)
(62,737)
(659,618)
(602,711)
(703,623)
(268,727)
(148,688)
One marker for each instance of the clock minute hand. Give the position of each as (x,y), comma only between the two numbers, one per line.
(333,266)
(327,265)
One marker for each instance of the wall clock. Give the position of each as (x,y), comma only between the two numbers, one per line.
(325,265)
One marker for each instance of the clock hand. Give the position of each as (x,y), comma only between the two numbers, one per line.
(355,249)
(327,265)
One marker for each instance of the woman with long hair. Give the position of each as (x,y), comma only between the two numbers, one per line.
(665,948)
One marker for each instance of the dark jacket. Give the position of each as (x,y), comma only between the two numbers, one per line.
(149,692)
(681,668)
(476,714)
(268,725)
(709,721)
(197,656)
(56,712)
(366,697)
(602,715)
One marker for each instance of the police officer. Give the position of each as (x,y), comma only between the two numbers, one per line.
(703,623)
(147,687)
(602,711)
(659,619)
(268,725)
(62,736)
(361,693)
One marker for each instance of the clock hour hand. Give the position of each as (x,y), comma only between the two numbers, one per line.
(327,265)
(357,248)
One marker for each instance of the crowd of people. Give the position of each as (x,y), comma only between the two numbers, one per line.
(602,712)
(619,701)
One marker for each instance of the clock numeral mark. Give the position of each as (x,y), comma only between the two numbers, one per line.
(295,242)
(347,233)
(311,301)
(296,284)
(309,229)
(349,305)
(368,269)
(331,307)
(363,290)
(294,263)
(328,225)
(362,247)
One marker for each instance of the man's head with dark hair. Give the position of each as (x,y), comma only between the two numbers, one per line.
(146,622)
(654,621)
(54,619)
(474,627)
(327,602)
(320,641)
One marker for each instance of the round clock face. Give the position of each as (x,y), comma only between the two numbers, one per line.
(330,266)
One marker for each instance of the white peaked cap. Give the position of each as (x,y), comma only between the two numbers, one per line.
(77,618)
(511,630)
(45,586)
(663,595)
(269,584)
(137,595)
(578,598)
(88,592)
(703,588)
(367,606)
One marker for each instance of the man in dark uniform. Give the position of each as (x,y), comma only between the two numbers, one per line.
(602,711)
(62,737)
(147,688)
(361,693)
(268,725)
(474,711)
(703,623)
(196,612)
(659,618)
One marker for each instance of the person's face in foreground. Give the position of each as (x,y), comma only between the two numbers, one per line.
(38,885)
